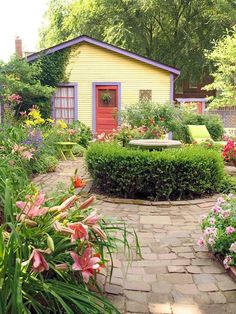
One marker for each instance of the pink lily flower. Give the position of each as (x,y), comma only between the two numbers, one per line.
(92,219)
(39,262)
(32,208)
(86,263)
(80,231)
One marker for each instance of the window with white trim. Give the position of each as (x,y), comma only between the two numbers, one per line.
(64,104)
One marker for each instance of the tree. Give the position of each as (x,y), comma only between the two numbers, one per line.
(20,78)
(173,31)
(223,57)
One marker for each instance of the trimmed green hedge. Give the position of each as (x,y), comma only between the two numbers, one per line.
(170,174)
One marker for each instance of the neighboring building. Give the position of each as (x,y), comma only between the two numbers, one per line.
(103,79)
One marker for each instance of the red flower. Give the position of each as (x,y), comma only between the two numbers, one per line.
(78,182)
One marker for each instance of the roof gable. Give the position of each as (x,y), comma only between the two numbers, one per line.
(104,45)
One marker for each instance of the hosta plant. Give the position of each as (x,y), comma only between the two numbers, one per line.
(51,252)
(219,229)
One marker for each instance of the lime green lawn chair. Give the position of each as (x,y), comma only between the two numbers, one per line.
(199,133)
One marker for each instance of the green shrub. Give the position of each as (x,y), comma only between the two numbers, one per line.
(44,164)
(170,174)
(141,113)
(78,150)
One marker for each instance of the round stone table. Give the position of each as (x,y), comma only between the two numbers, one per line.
(153,144)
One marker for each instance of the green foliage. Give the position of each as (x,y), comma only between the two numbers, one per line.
(78,150)
(171,174)
(223,58)
(52,68)
(18,77)
(44,163)
(228,185)
(150,28)
(145,113)
(213,123)
(85,133)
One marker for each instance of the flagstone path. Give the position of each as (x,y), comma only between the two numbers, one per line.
(175,276)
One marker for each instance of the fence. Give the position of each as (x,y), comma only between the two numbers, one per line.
(228,115)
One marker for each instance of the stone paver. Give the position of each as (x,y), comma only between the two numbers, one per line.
(175,276)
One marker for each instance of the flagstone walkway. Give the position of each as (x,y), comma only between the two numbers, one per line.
(175,276)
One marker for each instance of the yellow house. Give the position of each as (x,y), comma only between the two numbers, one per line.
(103,79)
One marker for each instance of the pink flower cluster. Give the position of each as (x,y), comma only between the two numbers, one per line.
(229,152)
(23,151)
(219,213)
(14,98)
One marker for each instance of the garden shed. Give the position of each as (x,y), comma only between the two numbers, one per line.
(102,79)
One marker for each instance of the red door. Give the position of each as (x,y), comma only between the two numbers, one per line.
(106,108)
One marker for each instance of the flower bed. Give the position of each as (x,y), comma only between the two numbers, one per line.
(52,252)
(171,174)
(219,230)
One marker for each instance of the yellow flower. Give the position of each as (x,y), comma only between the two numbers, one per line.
(35,114)
(29,122)
(50,120)
(39,120)
(62,124)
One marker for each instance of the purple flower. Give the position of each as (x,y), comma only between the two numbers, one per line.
(230,230)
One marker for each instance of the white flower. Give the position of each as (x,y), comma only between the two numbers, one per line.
(233,247)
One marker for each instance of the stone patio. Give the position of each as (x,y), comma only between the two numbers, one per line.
(175,276)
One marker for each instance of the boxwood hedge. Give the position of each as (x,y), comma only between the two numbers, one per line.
(170,174)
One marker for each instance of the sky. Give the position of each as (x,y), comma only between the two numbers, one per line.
(21,18)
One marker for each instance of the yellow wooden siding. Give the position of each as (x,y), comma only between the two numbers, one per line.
(89,63)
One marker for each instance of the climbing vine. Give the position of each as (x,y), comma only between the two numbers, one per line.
(52,68)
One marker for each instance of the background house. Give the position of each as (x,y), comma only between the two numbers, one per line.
(103,78)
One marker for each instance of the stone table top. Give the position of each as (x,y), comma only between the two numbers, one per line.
(154,143)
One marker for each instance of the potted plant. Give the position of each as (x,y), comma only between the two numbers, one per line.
(106,97)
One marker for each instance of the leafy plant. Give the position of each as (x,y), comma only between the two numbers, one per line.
(170,174)
(44,163)
(223,58)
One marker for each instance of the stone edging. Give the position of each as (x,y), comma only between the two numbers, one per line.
(204,202)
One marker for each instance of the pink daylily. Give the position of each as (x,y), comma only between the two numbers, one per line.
(230,230)
(27,155)
(86,263)
(216,209)
(220,200)
(80,231)
(32,208)
(92,219)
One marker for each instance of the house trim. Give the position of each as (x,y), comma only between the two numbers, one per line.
(107,46)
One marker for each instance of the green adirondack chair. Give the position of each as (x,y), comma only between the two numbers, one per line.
(199,133)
